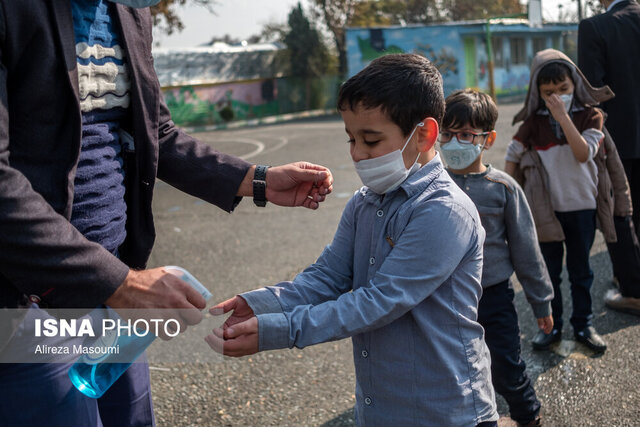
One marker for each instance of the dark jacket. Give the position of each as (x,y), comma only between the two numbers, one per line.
(42,255)
(609,54)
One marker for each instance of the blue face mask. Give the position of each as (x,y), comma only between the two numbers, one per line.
(138,4)
(459,156)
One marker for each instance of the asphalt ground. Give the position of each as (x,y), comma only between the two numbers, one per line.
(253,247)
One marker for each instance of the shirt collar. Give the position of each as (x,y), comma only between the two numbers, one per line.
(474,174)
(613,4)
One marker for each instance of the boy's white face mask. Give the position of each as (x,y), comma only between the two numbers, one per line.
(566,98)
(138,4)
(385,173)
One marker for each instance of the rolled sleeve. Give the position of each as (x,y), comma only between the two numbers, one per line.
(593,137)
(515,150)
(262,301)
(273,331)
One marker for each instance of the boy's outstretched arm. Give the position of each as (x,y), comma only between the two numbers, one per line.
(415,268)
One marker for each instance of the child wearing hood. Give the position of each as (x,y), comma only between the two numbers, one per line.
(556,152)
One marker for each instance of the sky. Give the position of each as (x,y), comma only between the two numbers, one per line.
(238,18)
(243,18)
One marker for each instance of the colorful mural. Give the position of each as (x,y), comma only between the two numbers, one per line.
(193,105)
(372,43)
(459,51)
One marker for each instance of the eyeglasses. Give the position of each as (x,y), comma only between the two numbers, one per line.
(464,136)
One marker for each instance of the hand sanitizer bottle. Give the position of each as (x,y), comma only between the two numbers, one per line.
(94,373)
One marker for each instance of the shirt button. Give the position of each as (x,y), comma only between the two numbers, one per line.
(372,260)
(380,213)
(367,401)
(34,299)
(466,188)
(365,353)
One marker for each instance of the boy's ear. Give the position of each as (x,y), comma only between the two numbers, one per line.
(428,134)
(491,138)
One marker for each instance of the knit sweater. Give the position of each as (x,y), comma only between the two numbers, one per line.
(99,209)
(511,242)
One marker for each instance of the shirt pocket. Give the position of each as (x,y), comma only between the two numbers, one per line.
(492,218)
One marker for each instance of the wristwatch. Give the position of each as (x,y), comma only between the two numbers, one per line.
(260,186)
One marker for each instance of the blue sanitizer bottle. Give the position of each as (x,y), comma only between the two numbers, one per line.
(93,374)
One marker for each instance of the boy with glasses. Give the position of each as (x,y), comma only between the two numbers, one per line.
(511,244)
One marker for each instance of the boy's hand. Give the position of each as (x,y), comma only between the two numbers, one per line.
(546,324)
(556,107)
(239,340)
(241,311)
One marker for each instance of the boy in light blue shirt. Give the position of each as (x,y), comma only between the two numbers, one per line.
(402,274)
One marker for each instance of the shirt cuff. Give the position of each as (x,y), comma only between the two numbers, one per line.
(273,331)
(541,310)
(262,301)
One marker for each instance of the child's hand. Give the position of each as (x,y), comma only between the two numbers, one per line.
(239,340)
(555,106)
(546,324)
(241,310)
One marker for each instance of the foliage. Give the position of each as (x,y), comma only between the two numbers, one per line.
(461,10)
(165,15)
(308,57)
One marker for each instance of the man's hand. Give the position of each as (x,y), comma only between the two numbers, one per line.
(156,288)
(241,339)
(546,324)
(298,184)
(293,184)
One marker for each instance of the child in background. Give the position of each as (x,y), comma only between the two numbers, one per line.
(511,245)
(555,149)
(402,274)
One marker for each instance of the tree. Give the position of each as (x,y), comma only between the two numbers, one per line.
(309,58)
(461,10)
(337,15)
(307,54)
(165,16)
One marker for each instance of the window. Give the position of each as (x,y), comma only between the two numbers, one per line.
(498,51)
(539,43)
(518,51)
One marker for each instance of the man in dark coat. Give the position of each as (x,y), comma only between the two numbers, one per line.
(609,54)
(84,133)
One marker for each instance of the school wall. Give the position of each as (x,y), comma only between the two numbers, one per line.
(460,51)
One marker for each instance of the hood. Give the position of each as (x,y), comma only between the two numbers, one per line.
(584,92)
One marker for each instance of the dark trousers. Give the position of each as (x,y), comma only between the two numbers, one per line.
(579,230)
(497,315)
(632,170)
(625,257)
(41,394)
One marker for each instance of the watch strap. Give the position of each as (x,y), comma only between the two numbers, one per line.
(260,186)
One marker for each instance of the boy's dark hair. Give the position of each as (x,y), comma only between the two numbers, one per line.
(554,72)
(470,107)
(407,87)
